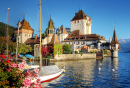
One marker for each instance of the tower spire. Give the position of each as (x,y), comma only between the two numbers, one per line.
(114,26)
(24,15)
(81,6)
(114,39)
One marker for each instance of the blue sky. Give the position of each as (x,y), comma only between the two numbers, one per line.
(104,14)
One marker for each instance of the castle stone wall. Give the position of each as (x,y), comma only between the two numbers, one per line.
(75,56)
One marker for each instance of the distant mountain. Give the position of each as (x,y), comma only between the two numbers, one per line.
(125,45)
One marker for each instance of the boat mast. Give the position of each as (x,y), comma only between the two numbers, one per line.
(40,32)
(17,42)
(7,33)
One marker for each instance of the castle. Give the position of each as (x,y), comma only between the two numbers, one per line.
(79,38)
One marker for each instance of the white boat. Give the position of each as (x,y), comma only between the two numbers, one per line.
(48,73)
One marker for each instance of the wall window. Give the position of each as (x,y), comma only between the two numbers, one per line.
(51,31)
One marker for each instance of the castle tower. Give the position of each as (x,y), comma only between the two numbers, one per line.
(25,31)
(81,22)
(50,30)
(62,33)
(115,45)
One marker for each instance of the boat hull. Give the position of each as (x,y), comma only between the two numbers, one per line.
(47,78)
(51,77)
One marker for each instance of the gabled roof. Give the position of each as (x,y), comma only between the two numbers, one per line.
(114,39)
(63,30)
(54,40)
(79,15)
(32,41)
(75,33)
(77,36)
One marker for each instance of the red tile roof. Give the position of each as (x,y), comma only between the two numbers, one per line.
(25,25)
(75,33)
(76,36)
(63,30)
(54,40)
(32,41)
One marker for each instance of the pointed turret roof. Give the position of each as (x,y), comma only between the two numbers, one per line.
(63,30)
(50,24)
(79,15)
(54,39)
(25,25)
(114,39)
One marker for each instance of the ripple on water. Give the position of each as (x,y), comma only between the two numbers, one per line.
(85,73)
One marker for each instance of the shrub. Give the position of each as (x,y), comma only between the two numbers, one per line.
(76,52)
(105,51)
(12,75)
(80,51)
(94,51)
(66,47)
(58,49)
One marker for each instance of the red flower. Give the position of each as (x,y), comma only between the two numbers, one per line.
(9,69)
(8,61)
(3,56)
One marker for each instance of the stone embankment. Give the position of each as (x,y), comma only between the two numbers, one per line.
(75,56)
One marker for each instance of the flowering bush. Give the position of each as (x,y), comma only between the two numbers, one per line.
(46,50)
(12,74)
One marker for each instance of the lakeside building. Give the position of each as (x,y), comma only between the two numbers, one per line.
(115,45)
(81,34)
(61,33)
(50,32)
(81,22)
(79,37)
(25,31)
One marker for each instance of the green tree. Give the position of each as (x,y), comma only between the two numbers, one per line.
(3,28)
(45,33)
(23,48)
(76,52)
(3,45)
(66,48)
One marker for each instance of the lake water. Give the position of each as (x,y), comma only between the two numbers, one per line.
(94,73)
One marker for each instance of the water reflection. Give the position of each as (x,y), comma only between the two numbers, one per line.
(86,73)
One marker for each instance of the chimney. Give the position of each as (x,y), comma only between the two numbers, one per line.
(35,36)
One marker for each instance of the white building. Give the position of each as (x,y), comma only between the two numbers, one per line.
(81,22)
(81,34)
(25,31)
(62,33)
